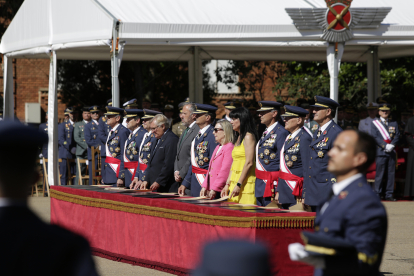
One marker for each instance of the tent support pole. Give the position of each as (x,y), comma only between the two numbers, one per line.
(115,66)
(334,54)
(198,76)
(374,77)
(53,162)
(8,87)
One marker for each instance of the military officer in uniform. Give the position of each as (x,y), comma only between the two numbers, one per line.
(132,144)
(310,125)
(268,152)
(67,146)
(349,118)
(81,146)
(114,147)
(202,147)
(179,127)
(386,135)
(43,128)
(366,124)
(103,131)
(351,223)
(145,148)
(318,181)
(91,133)
(228,107)
(131,104)
(293,157)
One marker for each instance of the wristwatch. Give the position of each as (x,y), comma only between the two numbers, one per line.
(239,185)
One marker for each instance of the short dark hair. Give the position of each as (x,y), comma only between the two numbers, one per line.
(333,112)
(212,116)
(366,144)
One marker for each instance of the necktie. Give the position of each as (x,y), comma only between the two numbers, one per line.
(184,134)
(289,139)
(319,133)
(386,122)
(199,135)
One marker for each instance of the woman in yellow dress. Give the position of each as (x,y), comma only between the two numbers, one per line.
(241,181)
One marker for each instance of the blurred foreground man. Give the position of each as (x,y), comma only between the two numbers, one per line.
(351,223)
(22,233)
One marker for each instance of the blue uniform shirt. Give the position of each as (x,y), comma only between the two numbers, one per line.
(204,147)
(318,181)
(268,154)
(296,157)
(91,133)
(131,151)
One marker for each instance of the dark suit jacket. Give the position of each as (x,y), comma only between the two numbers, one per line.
(161,163)
(31,247)
(182,160)
(357,216)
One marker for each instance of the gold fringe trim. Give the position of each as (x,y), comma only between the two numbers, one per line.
(226,221)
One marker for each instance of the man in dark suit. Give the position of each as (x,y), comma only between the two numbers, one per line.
(91,133)
(182,160)
(67,146)
(23,234)
(114,147)
(318,181)
(159,175)
(351,223)
(202,148)
(386,135)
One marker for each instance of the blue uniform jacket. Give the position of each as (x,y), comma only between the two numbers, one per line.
(145,153)
(131,151)
(43,128)
(357,216)
(116,144)
(161,162)
(269,152)
(203,149)
(65,140)
(297,160)
(394,133)
(103,131)
(318,181)
(91,137)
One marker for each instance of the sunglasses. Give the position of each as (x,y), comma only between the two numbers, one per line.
(217,129)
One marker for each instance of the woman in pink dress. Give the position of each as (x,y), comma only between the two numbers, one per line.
(221,161)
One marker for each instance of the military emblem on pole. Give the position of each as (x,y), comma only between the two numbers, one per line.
(337,20)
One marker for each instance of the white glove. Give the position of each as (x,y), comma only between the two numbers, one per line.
(389,147)
(297,253)
(40,156)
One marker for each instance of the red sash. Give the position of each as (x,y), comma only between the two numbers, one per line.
(297,191)
(198,170)
(142,166)
(111,160)
(131,165)
(270,177)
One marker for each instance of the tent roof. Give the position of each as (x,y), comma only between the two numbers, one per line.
(165,29)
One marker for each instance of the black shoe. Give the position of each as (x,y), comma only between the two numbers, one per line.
(390,198)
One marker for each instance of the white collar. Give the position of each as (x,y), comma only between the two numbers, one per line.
(135,131)
(86,122)
(7,202)
(70,121)
(203,130)
(325,126)
(228,118)
(115,127)
(383,120)
(340,186)
(192,124)
(271,127)
(293,135)
(96,122)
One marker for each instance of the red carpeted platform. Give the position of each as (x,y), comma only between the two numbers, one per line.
(168,235)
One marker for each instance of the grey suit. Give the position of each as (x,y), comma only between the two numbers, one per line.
(182,160)
(81,147)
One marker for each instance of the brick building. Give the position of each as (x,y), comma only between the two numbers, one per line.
(31,85)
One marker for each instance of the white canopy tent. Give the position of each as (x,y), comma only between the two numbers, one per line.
(189,30)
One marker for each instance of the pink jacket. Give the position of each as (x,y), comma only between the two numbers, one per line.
(219,168)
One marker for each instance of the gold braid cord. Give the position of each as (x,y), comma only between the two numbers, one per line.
(226,221)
